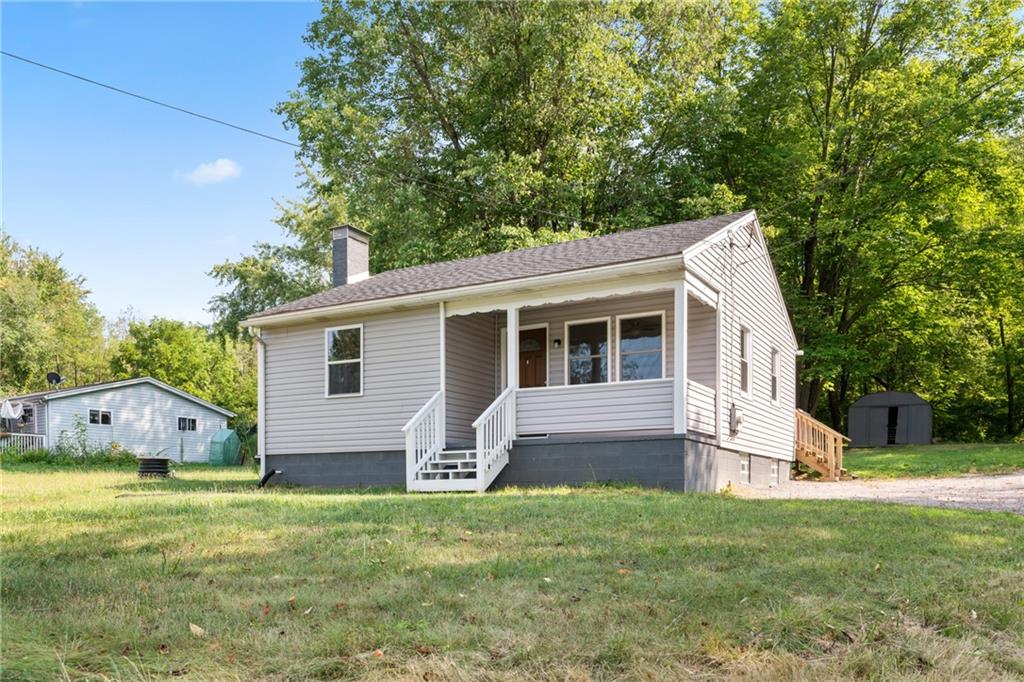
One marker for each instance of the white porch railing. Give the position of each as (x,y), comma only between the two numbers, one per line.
(495,431)
(424,436)
(700,408)
(22,442)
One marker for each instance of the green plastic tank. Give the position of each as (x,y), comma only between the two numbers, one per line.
(224,447)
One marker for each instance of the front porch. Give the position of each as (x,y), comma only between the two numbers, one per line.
(641,360)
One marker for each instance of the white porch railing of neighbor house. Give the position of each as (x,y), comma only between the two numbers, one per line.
(22,442)
(424,436)
(700,408)
(495,431)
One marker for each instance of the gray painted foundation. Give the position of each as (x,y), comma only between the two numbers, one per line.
(341,470)
(666,461)
(652,461)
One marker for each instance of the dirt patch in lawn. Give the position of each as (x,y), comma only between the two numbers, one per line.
(991,493)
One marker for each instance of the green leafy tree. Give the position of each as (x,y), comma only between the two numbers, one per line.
(461,128)
(47,323)
(187,357)
(873,136)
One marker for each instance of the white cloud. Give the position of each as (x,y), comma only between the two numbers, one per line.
(212,172)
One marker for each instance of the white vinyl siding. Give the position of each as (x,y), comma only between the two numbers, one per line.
(615,406)
(144,420)
(703,344)
(401,371)
(767,428)
(470,386)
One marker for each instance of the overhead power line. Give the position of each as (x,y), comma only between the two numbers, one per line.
(157,102)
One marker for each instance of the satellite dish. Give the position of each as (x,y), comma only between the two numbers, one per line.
(53,378)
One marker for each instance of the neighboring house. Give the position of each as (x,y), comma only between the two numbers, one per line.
(140,415)
(890,418)
(663,356)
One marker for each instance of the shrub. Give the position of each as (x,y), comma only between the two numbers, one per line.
(59,457)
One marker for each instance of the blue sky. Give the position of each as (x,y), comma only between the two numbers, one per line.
(140,200)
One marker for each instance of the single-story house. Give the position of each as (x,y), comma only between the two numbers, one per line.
(662,356)
(142,415)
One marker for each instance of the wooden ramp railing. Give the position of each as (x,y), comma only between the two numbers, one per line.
(819,447)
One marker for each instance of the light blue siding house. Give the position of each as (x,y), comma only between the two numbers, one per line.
(143,416)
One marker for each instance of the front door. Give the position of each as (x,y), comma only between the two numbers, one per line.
(533,358)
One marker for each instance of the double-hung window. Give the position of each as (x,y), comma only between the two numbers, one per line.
(186,424)
(745,360)
(587,353)
(775,376)
(101,417)
(641,346)
(344,360)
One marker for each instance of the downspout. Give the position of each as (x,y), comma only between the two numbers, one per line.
(261,406)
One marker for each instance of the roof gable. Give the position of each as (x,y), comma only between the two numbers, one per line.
(109,385)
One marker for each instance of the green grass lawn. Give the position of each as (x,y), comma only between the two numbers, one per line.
(946,459)
(102,575)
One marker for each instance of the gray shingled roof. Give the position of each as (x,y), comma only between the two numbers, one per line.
(579,254)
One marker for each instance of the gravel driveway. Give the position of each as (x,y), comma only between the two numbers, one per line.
(992,493)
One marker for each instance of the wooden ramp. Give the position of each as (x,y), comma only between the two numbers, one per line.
(820,447)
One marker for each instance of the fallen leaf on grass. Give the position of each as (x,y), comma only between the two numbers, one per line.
(308,611)
(623,571)
(547,580)
(164,649)
(377,653)
(196,630)
(425,650)
(291,602)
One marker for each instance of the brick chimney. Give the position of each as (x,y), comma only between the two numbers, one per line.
(351,247)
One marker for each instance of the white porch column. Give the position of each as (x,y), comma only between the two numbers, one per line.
(512,346)
(442,346)
(679,337)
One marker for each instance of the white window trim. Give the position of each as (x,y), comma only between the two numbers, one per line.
(100,416)
(750,362)
(503,340)
(618,345)
(745,471)
(188,430)
(327,363)
(775,469)
(773,376)
(612,371)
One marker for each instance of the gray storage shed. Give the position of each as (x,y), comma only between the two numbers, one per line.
(890,418)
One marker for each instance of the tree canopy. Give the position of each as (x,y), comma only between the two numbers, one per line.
(879,141)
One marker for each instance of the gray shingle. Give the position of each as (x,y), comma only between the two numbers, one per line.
(580,254)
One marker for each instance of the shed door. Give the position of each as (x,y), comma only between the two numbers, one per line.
(877,429)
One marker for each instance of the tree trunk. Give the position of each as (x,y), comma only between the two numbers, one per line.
(1011,423)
